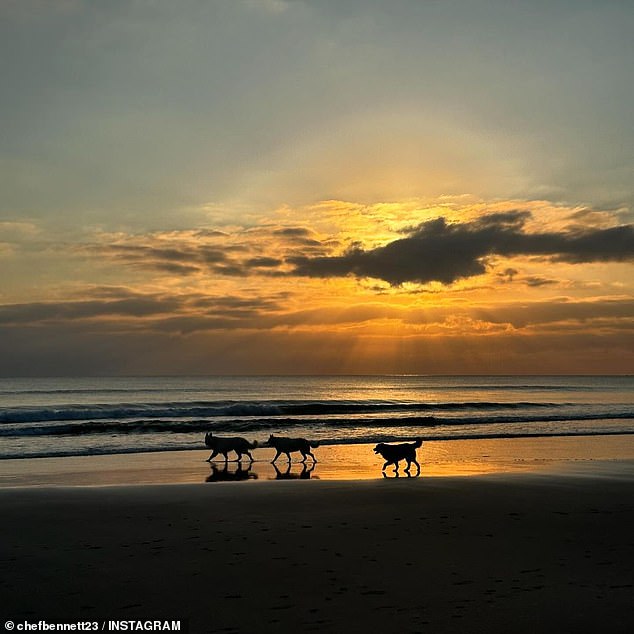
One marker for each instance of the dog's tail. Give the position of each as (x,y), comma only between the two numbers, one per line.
(418,443)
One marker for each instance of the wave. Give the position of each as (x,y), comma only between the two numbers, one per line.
(370,439)
(265,425)
(92,390)
(212,409)
(141,385)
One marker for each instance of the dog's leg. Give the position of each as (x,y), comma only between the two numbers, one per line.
(409,466)
(277,455)
(308,453)
(214,453)
(249,454)
(288,455)
(386,465)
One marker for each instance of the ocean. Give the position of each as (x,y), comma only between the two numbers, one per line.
(42,417)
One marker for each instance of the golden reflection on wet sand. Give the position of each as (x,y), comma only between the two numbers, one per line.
(335,462)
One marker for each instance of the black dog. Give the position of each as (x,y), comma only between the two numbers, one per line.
(289,445)
(223,445)
(393,454)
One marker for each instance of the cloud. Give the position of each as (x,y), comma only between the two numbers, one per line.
(114,328)
(443,252)
(439,249)
(71,310)
(538,280)
(508,274)
(182,260)
(33,351)
(298,236)
(240,252)
(120,309)
(117,309)
(301,232)
(515,315)
(263,262)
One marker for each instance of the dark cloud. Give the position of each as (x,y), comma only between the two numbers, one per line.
(103,291)
(198,312)
(140,311)
(263,262)
(537,280)
(293,232)
(439,251)
(436,250)
(298,236)
(508,274)
(174,268)
(188,257)
(141,306)
(33,351)
(236,302)
(524,314)
(209,255)
(177,260)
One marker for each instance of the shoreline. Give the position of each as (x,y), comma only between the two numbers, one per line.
(338,443)
(354,462)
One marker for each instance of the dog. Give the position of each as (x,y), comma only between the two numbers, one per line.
(290,445)
(222,445)
(393,454)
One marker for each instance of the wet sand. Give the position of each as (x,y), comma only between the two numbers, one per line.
(336,462)
(542,551)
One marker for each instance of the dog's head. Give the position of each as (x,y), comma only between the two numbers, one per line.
(271,440)
(380,448)
(209,439)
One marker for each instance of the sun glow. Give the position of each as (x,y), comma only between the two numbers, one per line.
(318,286)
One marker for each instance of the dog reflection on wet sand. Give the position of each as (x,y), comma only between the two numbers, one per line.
(223,474)
(304,474)
(393,454)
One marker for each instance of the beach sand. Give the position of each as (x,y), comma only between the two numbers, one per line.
(548,549)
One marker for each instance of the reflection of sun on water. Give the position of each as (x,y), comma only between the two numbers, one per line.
(472,457)
(336,462)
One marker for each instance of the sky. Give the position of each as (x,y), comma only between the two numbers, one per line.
(316,187)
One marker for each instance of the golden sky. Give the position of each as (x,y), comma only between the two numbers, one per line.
(316,187)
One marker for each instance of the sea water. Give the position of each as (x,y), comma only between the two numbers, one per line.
(85,416)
